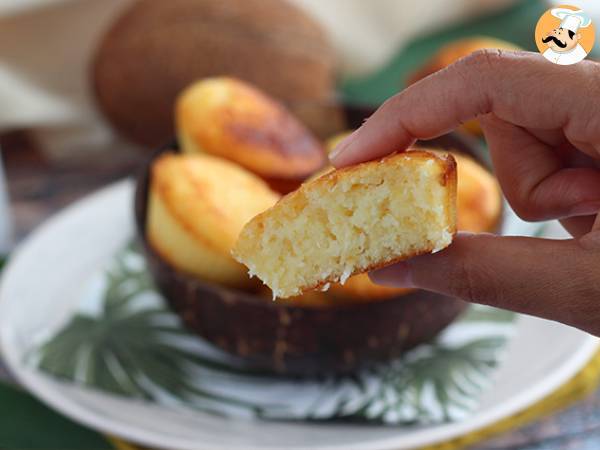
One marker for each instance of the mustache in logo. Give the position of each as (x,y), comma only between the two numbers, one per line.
(556,41)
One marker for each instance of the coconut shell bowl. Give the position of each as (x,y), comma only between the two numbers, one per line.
(299,338)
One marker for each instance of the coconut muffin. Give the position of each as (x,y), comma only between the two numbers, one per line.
(230,118)
(197,206)
(359,288)
(478,197)
(353,220)
(478,209)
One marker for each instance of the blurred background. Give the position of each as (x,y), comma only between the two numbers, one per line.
(84,79)
(87,88)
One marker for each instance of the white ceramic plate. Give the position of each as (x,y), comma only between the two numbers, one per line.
(43,283)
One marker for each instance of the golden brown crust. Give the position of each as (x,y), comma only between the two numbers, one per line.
(332,177)
(229,118)
(449,174)
(161,190)
(451,178)
(197,205)
(200,205)
(161,187)
(479,198)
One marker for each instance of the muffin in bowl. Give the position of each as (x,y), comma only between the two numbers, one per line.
(352,326)
(227,117)
(197,205)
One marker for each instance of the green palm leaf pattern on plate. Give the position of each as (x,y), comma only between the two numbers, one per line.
(123,340)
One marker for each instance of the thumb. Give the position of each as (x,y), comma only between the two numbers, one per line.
(553,279)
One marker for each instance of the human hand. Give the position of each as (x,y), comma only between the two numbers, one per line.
(542,124)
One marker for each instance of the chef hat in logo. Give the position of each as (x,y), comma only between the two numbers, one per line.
(571,20)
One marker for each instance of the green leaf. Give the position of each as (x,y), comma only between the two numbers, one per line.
(437,368)
(27,423)
(115,350)
(134,349)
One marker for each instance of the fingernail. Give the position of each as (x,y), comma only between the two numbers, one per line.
(341,147)
(585,209)
(396,275)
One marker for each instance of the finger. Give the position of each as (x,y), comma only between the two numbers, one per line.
(552,138)
(596,225)
(519,87)
(591,241)
(578,226)
(532,176)
(546,278)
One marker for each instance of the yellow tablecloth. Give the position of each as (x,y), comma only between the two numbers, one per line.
(582,384)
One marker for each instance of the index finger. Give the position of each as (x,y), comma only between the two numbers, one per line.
(521,88)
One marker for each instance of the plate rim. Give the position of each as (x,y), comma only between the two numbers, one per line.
(109,426)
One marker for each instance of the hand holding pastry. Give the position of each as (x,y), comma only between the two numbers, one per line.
(541,122)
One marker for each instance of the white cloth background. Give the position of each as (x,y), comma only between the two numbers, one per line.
(46,46)
(45,50)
